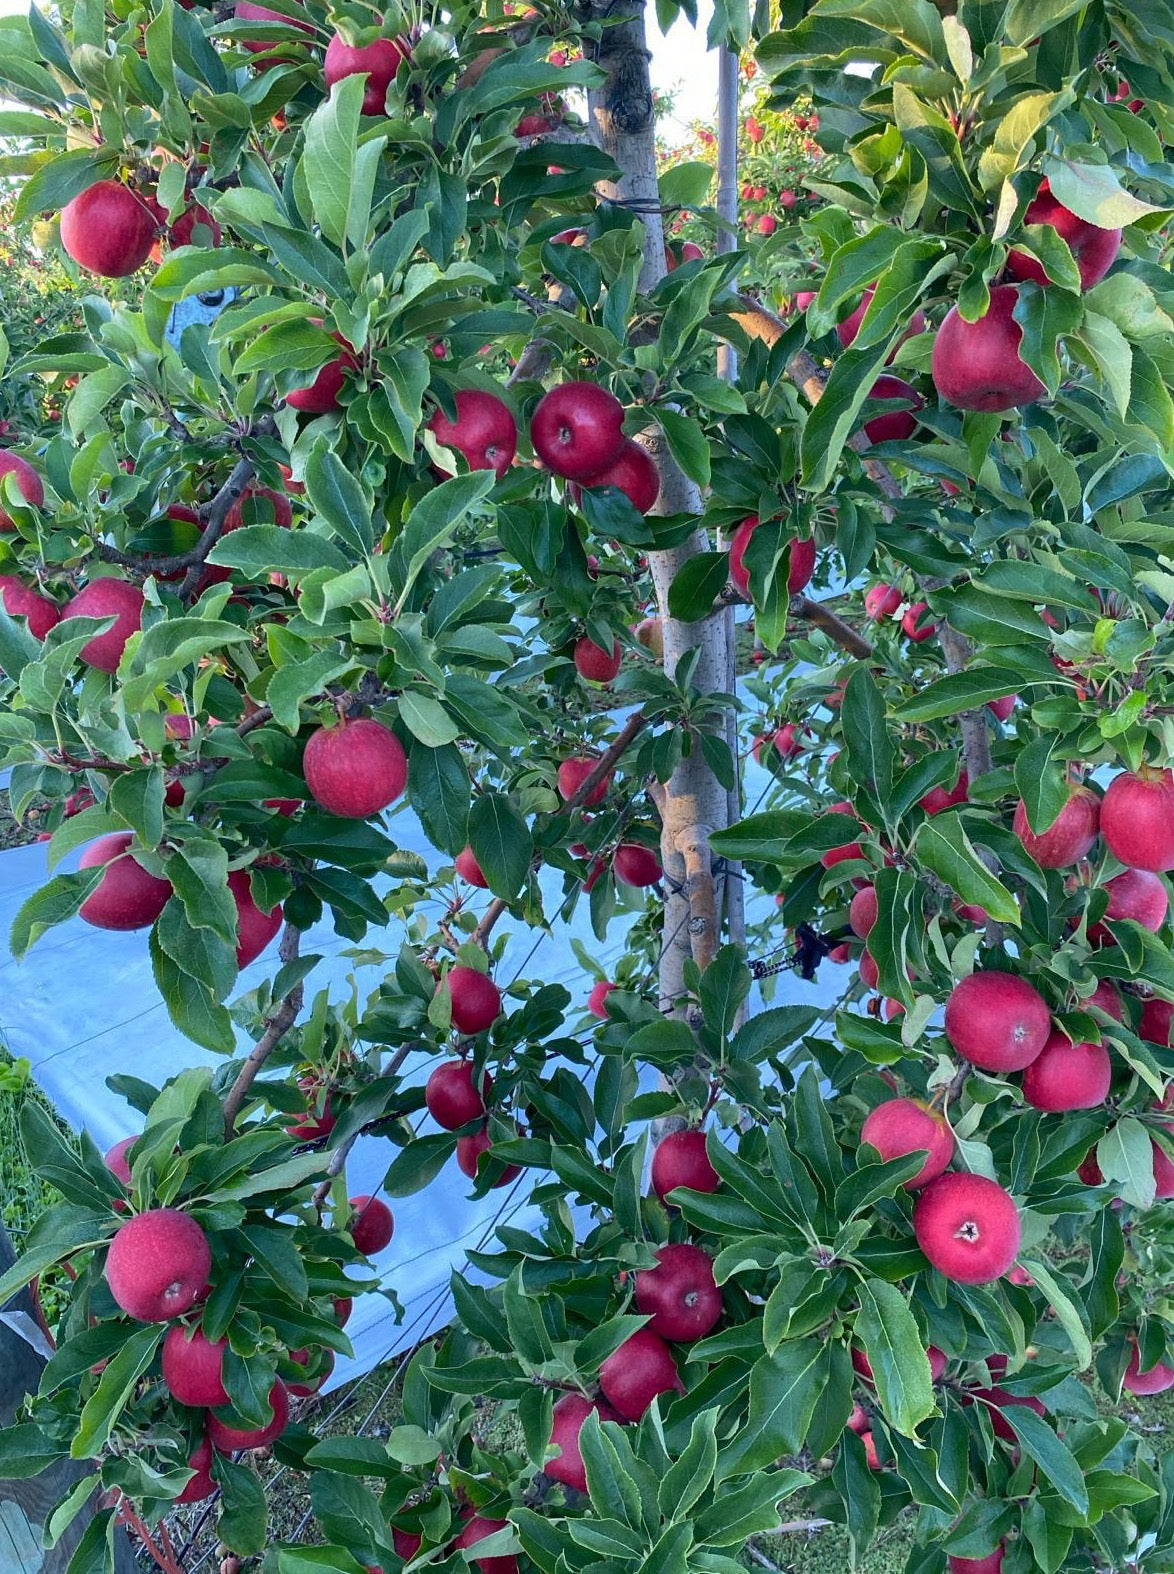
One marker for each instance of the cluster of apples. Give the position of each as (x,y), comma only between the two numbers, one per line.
(887,601)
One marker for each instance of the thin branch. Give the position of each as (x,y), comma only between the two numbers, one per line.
(275,1029)
(340,1155)
(488,918)
(835,628)
(257,718)
(533,363)
(976,738)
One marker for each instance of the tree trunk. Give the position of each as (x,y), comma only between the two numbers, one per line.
(694,804)
(25,1505)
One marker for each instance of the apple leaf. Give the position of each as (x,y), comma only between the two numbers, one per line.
(943,846)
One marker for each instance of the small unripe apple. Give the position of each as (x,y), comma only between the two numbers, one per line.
(127,896)
(476,999)
(371,1225)
(681,1159)
(451,1096)
(997,1021)
(968,1227)
(1070,835)
(1066,1076)
(635,1373)
(577,430)
(355,769)
(679,1294)
(158,1264)
(901,1126)
(105,598)
(228,1438)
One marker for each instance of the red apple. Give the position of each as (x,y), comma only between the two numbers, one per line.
(108,229)
(477,1529)
(228,1438)
(249,11)
(577,430)
(913,625)
(126,897)
(355,769)
(597,998)
(1001,708)
(116,1160)
(893,426)
(636,865)
(1139,895)
(635,1373)
(106,598)
(254,928)
(938,799)
(469,1151)
(1070,835)
(1065,1076)
(158,1264)
(1093,248)
(634,472)
(596,664)
(802,559)
(977,365)
(202,1485)
(379,60)
(451,1096)
(22,602)
(476,999)
(997,1021)
(470,870)
(881,601)
(679,1295)
(484,431)
(991,1564)
(681,1159)
(901,1126)
(1155,1379)
(371,1225)
(28,484)
(862,914)
(850,327)
(1156,1016)
(574,772)
(869,972)
(321,396)
(1137,819)
(193,1367)
(968,1227)
(567,1420)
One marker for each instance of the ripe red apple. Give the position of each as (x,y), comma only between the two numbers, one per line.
(893,426)
(321,396)
(597,997)
(476,999)
(1094,249)
(853,849)
(901,1126)
(201,1485)
(802,559)
(968,1227)
(792,738)
(228,1438)
(862,914)
(380,60)
(406,1543)
(850,327)
(451,1096)
(869,972)
(634,472)
(871,1457)
(567,1420)
(996,1400)
(249,11)
(182,232)
(1068,839)
(126,897)
(1001,709)
(319,1119)
(859,1421)
(1156,1016)
(938,1362)
(1107,998)
(193,1367)
(636,1372)
(681,1159)
(106,598)
(1139,895)
(254,928)
(108,229)
(991,1564)
(1137,819)
(577,430)
(116,1160)
(470,1149)
(913,623)
(1155,1379)
(158,1264)
(477,1529)
(977,365)
(278,502)
(355,769)
(20,601)
(574,772)
(372,1224)
(28,484)
(596,664)
(881,601)
(679,1294)
(469,869)
(636,865)
(343,1307)
(938,798)
(997,1021)
(1066,1076)
(323,1359)
(484,431)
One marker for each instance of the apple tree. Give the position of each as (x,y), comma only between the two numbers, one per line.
(912,1261)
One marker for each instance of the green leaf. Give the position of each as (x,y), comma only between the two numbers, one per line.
(1069,1313)
(725,986)
(331,154)
(502,843)
(198,871)
(959,691)
(427,719)
(244,1509)
(336,496)
(60,180)
(418,1164)
(687,442)
(268,549)
(301,680)
(1125,1155)
(190,1003)
(60,1231)
(867,745)
(887,1329)
(697,584)
(1094,193)
(115,1386)
(783,1390)
(1053,1457)
(51,904)
(1042,787)
(439,790)
(943,846)
(433,522)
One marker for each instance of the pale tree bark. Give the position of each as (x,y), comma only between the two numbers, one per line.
(694,804)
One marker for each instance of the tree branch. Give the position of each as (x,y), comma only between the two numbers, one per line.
(275,1029)
(976,738)
(340,1155)
(835,628)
